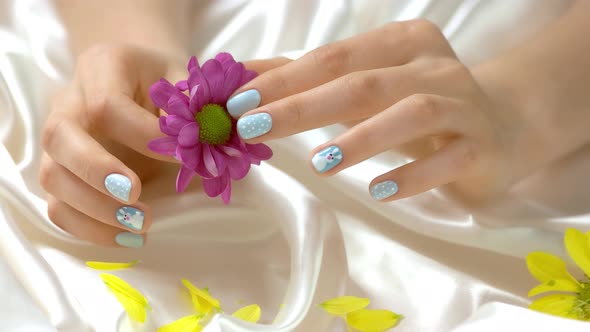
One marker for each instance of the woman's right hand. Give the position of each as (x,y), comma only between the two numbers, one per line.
(95,143)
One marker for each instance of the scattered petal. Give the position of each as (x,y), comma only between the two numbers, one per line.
(185,324)
(134,303)
(249,313)
(204,303)
(110,266)
(366,320)
(341,306)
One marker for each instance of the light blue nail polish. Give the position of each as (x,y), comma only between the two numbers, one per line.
(119,185)
(130,217)
(243,102)
(129,240)
(254,125)
(383,190)
(327,159)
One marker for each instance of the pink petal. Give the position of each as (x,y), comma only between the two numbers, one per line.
(192,63)
(182,85)
(161,91)
(178,105)
(190,157)
(189,135)
(233,77)
(259,151)
(209,161)
(226,194)
(196,77)
(220,159)
(225,59)
(164,145)
(215,186)
(184,177)
(239,167)
(214,74)
(171,124)
(248,76)
(230,151)
(197,99)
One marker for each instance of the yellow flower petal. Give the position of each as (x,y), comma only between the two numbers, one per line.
(555,285)
(366,320)
(341,306)
(110,266)
(545,267)
(185,324)
(556,304)
(134,303)
(577,247)
(202,300)
(249,313)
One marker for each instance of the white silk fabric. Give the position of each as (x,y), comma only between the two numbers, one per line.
(290,239)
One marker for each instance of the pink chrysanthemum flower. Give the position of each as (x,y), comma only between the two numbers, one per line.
(200,132)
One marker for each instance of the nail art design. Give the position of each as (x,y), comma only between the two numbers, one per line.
(254,125)
(129,240)
(327,159)
(130,217)
(383,190)
(243,102)
(118,185)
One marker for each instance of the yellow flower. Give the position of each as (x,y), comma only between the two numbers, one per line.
(573,300)
(341,306)
(134,303)
(110,266)
(352,309)
(366,320)
(250,313)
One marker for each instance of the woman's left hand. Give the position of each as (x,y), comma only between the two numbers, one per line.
(403,83)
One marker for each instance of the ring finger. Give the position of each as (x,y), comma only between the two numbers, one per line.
(70,189)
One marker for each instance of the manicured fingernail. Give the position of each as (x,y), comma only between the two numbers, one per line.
(243,102)
(129,240)
(130,217)
(254,125)
(383,190)
(327,159)
(118,185)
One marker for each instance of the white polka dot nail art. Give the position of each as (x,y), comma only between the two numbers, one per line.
(382,190)
(118,185)
(254,125)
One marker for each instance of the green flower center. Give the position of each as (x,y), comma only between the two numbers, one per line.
(215,124)
(582,304)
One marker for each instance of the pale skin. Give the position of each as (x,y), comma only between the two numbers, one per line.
(478,130)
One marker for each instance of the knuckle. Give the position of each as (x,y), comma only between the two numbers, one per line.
(276,80)
(422,28)
(96,108)
(46,174)
(50,131)
(296,113)
(360,86)
(467,157)
(425,108)
(53,208)
(333,58)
